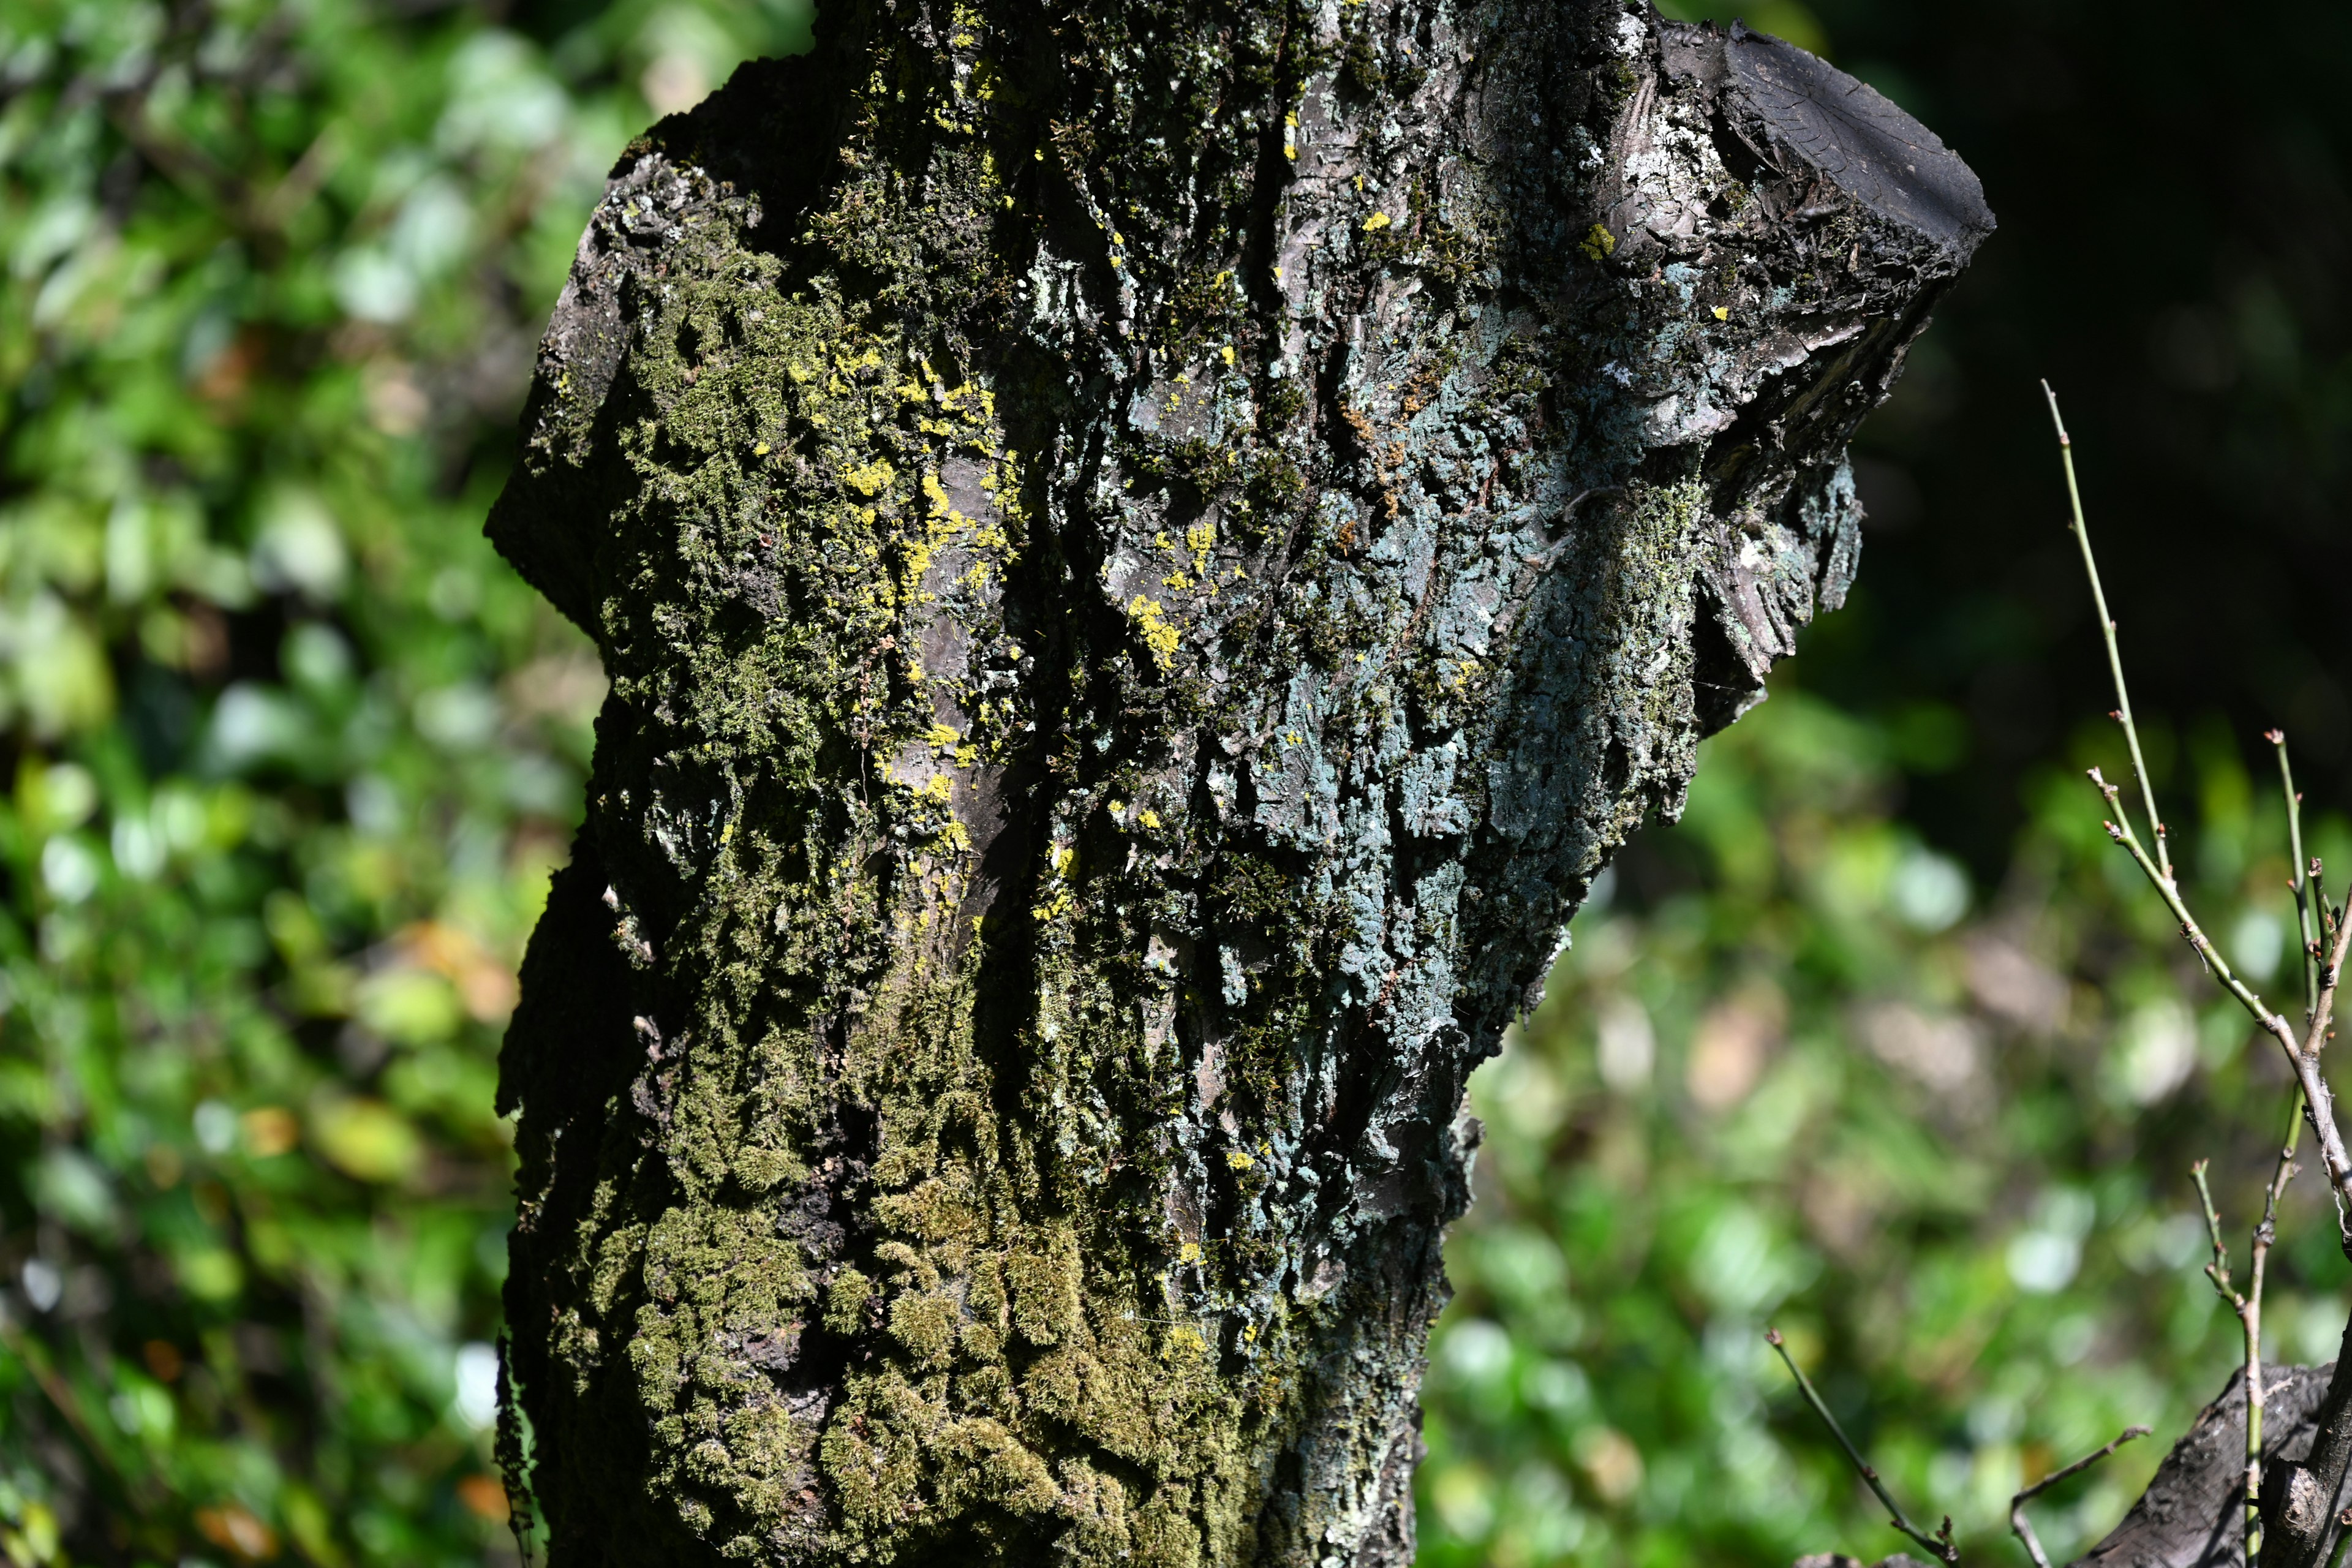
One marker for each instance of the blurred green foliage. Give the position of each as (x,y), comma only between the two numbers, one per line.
(287,754)
(1792,1071)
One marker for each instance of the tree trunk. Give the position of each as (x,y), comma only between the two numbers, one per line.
(1147,554)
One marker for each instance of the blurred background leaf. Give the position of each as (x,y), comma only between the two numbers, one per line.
(288,754)
(1796,1070)
(1883,1042)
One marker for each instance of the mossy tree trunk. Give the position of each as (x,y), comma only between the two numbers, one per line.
(1147,554)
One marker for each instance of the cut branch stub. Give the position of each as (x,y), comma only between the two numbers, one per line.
(1114,702)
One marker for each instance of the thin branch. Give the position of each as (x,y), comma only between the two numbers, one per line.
(2265,1236)
(2107,630)
(1940,1543)
(2249,1309)
(2302,885)
(2303,1055)
(2217,1272)
(2023,1526)
(2331,1455)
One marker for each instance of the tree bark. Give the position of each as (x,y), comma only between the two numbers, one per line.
(1147,554)
(2193,1513)
(2301,1525)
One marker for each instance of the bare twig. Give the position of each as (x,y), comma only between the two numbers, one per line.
(2218,1270)
(2303,1055)
(2302,886)
(2023,1526)
(2300,1543)
(1940,1543)
(2123,714)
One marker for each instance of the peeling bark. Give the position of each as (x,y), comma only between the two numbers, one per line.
(1147,556)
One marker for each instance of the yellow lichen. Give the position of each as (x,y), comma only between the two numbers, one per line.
(870,478)
(1158,635)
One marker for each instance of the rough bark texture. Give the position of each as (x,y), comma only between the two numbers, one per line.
(1147,554)
(2299,1528)
(2194,1514)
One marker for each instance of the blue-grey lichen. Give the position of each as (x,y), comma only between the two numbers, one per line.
(1147,555)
